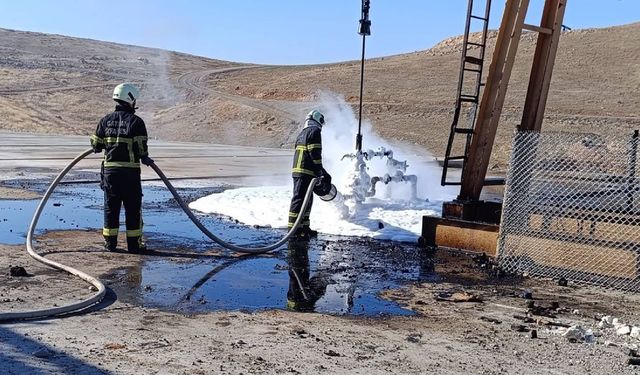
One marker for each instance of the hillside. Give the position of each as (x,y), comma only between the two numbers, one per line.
(56,84)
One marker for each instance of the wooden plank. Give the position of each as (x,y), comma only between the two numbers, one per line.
(542,67)
(537,29)
(597,260)
(460,234)
(493,99)
(555,23)
(598,230)
(468,239)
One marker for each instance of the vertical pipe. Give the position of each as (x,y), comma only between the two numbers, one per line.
(359,136)
(365,29)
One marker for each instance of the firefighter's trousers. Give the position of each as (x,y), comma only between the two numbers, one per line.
(122,186)
(300,186)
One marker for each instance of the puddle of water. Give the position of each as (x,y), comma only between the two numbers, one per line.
(334,277)
(80,207)
(71,210)
(330,275)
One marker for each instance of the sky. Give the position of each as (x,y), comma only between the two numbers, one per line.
(280,31)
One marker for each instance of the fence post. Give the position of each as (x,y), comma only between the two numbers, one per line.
(631,171)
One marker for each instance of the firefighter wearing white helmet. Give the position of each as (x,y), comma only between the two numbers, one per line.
(126,92)
(316,116)
(307,164)
(123,137)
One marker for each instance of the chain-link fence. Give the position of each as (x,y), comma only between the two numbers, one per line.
(572,209)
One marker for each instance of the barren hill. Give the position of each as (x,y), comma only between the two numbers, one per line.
(57,84)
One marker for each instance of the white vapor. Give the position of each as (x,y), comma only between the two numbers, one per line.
(392,218)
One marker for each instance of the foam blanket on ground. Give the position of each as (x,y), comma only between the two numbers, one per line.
(269,206)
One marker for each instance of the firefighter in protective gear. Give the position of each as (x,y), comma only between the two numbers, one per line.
(307,164)
(123,137)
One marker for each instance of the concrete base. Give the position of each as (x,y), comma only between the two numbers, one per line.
(459,234)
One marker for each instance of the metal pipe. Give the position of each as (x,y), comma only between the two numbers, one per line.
(359,136)
(365,29)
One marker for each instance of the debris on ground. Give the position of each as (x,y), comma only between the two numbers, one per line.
(332,353)
(578,334)
(633,361)
(114,346)
(491,320)
(18,271)
(548,312)
(623,329)
(519,328)
(42,353)
(457,297)
(527,294)
(414,338)
(606,322)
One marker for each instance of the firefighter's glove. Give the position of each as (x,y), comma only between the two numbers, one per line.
(324,181)
(325,174)
(146,160)
(326,177)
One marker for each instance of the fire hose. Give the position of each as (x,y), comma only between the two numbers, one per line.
(230,246)
(101,289)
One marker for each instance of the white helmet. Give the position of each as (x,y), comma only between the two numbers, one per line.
(316,116)
(126,92)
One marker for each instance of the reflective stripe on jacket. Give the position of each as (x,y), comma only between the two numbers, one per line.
(307,159)
(123,137)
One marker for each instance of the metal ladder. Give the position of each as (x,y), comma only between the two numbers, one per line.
(470,69)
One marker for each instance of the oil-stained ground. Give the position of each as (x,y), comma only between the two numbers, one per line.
(319,307)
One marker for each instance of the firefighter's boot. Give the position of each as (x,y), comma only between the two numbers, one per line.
(136,246)
(110,243)
(311,233)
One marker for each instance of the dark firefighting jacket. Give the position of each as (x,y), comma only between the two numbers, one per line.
(123,137)
(307,159)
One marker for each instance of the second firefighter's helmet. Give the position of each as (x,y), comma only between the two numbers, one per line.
(126,92)
(316,116)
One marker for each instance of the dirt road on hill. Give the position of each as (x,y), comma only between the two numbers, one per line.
(408,98)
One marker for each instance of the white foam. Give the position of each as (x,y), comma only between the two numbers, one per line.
(269,206)
(389,215)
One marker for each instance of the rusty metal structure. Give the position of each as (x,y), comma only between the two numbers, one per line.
(469,222)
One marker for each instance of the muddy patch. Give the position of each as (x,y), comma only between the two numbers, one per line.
(17,193)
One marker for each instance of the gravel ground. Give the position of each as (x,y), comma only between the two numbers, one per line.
(491,336)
